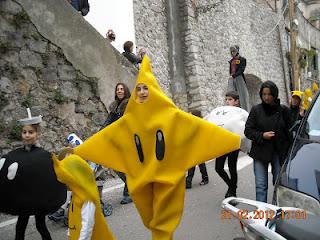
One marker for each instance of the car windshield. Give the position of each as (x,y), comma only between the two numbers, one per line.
(312,125)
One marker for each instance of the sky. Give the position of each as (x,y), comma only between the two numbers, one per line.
(113,14)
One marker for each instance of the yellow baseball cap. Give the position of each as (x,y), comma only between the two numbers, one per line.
(297,93)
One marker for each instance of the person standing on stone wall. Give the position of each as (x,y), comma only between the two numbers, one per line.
(81,6)
(128,53)
(236,80)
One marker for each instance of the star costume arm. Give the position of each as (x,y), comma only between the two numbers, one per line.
(201,140)
(106,147)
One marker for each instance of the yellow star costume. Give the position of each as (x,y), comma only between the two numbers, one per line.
(79,177)
(155,143)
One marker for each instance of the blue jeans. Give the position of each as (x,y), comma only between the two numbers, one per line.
(261,176)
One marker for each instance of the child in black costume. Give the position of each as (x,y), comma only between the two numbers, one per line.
(28,181)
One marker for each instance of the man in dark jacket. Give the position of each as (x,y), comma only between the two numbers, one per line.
(236,81)
(268,127)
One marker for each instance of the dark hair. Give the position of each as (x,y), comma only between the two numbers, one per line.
(127,46)
(36,127)
(127,93)
(273,89)
(233,94)
(196,113)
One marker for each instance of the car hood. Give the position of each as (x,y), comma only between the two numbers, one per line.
(303,170)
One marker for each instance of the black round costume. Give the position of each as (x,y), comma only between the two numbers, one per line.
(35,188)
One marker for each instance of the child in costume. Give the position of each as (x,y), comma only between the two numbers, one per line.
(155,143)
(28,184)
(86,220)
(98,171)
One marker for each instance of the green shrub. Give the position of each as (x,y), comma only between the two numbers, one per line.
(15,132)
(27,102)
(58,97)
(20,18)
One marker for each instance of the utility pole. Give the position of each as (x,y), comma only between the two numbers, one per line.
(293,46)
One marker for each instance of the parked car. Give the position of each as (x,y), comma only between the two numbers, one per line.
(298,184)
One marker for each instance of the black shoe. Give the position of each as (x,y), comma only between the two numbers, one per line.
(58,215)
(231,193)
(126,200)
(204,182)
(188,184)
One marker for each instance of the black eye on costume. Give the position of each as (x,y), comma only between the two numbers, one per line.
(139,147)
(160,145)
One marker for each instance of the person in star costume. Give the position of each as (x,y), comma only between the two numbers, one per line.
(155,143)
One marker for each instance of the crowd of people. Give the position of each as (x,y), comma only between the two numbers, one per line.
(268,127)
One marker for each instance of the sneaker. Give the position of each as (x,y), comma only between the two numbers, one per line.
(188,184)
(56,216)
(204,182)
(107,210)
(126,200)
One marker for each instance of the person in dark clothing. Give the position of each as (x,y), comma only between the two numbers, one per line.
(28,182)
(268,127)
(296,110)
(232,99)
(116,110)
(128,53)
(202,166)
(81,6)
(237,81)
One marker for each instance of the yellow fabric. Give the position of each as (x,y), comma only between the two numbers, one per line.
(157,186)
(307,98)
(78,176)
(315,88)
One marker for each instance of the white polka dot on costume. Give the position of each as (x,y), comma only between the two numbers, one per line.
(2,160)
(12,171)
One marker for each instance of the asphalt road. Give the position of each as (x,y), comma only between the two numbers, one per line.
(201,219)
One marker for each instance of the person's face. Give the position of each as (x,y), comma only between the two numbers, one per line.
(233,52)
(131,49)
(230,101)
(142,92)
(120,92)
(295,101)
(29,134)
(266,96)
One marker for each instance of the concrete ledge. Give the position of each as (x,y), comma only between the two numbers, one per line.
(82,45)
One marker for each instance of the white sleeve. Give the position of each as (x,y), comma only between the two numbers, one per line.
(87,215)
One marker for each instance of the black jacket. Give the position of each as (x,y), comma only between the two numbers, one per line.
(263,118)
(116,110)
(132,58)
(240,67)
(84,7)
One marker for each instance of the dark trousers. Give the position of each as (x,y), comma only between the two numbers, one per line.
(232,164)
(203,171)
(124,179)
(40,225)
